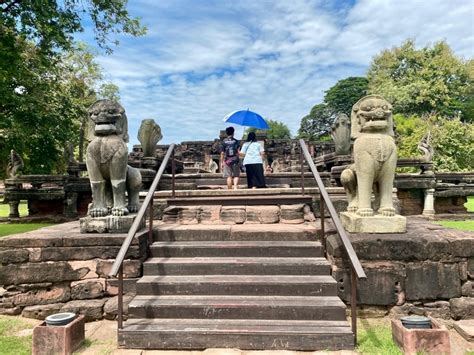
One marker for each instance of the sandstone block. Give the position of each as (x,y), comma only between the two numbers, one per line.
(10,310)
(462,308)
(86,289)
(111,306)
(182,214)
(354,223)
(463,270)
(39,272)
(87,253)
(467,289)
(210,214)
(263,214)
(429,281)
(41,311)
(87,268)
(129,286)
(462,246)
(11,256)
(131,268)
(91,309)
(52,294)
(470,268)
(233,214)
(108,224)
(292,214)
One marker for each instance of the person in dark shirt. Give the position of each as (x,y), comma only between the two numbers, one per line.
(230,162)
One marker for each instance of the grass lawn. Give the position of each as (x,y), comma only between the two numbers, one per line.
(375,337)
(8,229)
(12,341)
(466,225)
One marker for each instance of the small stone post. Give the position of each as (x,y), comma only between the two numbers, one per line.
(428,207)
(14,213)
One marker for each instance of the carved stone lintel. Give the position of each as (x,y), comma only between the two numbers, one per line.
(109,224)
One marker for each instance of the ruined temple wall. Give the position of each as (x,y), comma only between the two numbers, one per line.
(57,269)
(428,270)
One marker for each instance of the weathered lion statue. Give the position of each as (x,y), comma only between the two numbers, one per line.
(375,158)
(106,161)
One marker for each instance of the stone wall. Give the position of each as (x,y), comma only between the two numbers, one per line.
(57,269)
(428,270)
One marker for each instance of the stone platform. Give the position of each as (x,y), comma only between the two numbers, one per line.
(109,224)
(429,270)
(58,269)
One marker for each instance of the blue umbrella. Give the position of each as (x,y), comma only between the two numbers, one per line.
(246,118)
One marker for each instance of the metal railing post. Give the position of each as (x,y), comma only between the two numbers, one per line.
(354,304)
(120,298)
(173,172)
(302,171)
(322,212)
(150,223)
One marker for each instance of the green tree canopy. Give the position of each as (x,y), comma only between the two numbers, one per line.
(345,93)
(420,81)
(317,124)
(278,130)
(451,139)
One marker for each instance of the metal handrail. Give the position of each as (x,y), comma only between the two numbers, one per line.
(357,272)
(117,267)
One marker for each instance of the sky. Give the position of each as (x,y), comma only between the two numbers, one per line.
(202,59)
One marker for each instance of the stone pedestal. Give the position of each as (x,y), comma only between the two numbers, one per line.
(58,339)
(109,224)
(413,341)
(354,223)
(14,213)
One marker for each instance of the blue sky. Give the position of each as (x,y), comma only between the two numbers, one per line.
(202,59)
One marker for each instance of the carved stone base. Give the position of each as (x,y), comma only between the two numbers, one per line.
(354,223)
(109,224)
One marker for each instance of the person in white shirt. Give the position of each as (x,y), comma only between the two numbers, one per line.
(253,154)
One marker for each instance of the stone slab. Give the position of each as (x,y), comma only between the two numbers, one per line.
(354,223)
(465,328)
(109,224)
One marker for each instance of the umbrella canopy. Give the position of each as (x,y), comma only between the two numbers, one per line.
(246,118)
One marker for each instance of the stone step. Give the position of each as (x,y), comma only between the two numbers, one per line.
(236,266)
(238,232)
(275,249)
(238,307)
(242,200)
(279,285)
(235,333)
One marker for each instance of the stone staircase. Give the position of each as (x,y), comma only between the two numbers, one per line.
(230,284)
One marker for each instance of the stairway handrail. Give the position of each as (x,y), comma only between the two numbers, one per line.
(354,260)
(357,272)
(141,213)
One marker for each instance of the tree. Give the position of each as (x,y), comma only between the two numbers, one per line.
(43,92)
(277,130)
(51,24)
(421,81)
(317,124)
(345,93)
(451,140)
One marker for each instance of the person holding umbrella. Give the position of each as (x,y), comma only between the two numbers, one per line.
(253,154)
(229,159)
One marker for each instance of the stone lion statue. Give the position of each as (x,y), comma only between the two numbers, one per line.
(375,158)
(106,161)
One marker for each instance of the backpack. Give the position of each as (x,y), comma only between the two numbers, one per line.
(231,147)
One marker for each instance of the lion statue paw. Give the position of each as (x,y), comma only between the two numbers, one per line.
(386,211)
(99,212)
(119,211)
(365,212)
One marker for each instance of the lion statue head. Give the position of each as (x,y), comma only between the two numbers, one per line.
(107,118)
(371,114)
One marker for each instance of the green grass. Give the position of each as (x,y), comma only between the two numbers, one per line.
(470,204)
(10,343)
(375,337)
(9,229)
(5,208)
(466,225)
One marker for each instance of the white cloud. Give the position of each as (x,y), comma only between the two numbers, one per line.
(203,59)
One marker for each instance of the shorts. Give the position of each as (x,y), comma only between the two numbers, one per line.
(232,170)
